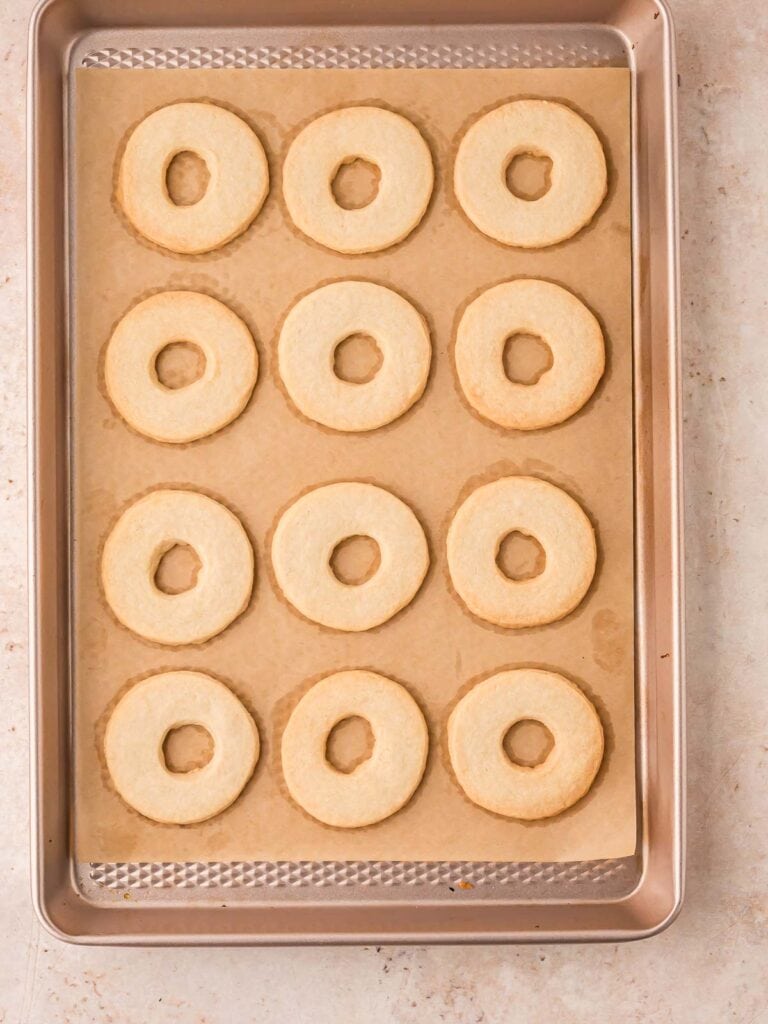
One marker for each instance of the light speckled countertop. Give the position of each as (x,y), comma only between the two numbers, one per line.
(712,965)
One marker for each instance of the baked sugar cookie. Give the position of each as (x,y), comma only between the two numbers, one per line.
(549,312)
(309,532)
(381,137)
(136,731)
(579,178)
(534,507)
(378,787)
(201,408)
(238,185)
(481,720)
(315,327)
(148,529)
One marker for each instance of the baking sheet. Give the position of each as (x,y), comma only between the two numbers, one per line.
(431,457)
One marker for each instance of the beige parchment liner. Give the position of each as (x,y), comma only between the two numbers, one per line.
(431,457)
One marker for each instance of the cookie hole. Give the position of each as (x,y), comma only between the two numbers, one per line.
(179,364)
(186,179)
(357,359)
(528,743)
(356,184)
(350,743)
(526,358)
(187,748)
(355,560)
(520,557)
(528,176)
(177,569)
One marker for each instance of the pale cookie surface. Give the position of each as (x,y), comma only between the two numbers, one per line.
(310,530)
(548,312)
(481,720)
(379,786)
(236,163)
(538,509)
(382,138)
(578,180)
(136,731)
(148,529)
(311,334)
(206,405)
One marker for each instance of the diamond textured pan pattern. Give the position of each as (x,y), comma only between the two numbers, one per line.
(255,874)
(524,55)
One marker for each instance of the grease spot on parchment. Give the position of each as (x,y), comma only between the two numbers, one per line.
(608,640)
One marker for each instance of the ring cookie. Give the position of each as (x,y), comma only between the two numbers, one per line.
(310,530)
(146,531)
(539,509)
(381,137)
(481,720)
(237,165)
(315,327)
(579,178)
(379,786)
(177,415)
(549,312)
(136,731)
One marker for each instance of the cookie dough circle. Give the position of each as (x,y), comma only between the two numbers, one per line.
(309,531)
(534,507)
(383,138)
(480,721)
(238,185)
(148,529)
(136,731)
(549,312)
(578,181)
(379,786)
(187,413)
(324,318)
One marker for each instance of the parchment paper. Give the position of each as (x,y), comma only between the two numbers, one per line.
(431,458)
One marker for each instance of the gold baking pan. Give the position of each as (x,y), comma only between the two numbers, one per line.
(358,900)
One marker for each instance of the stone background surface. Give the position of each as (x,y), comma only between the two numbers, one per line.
(711,966)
